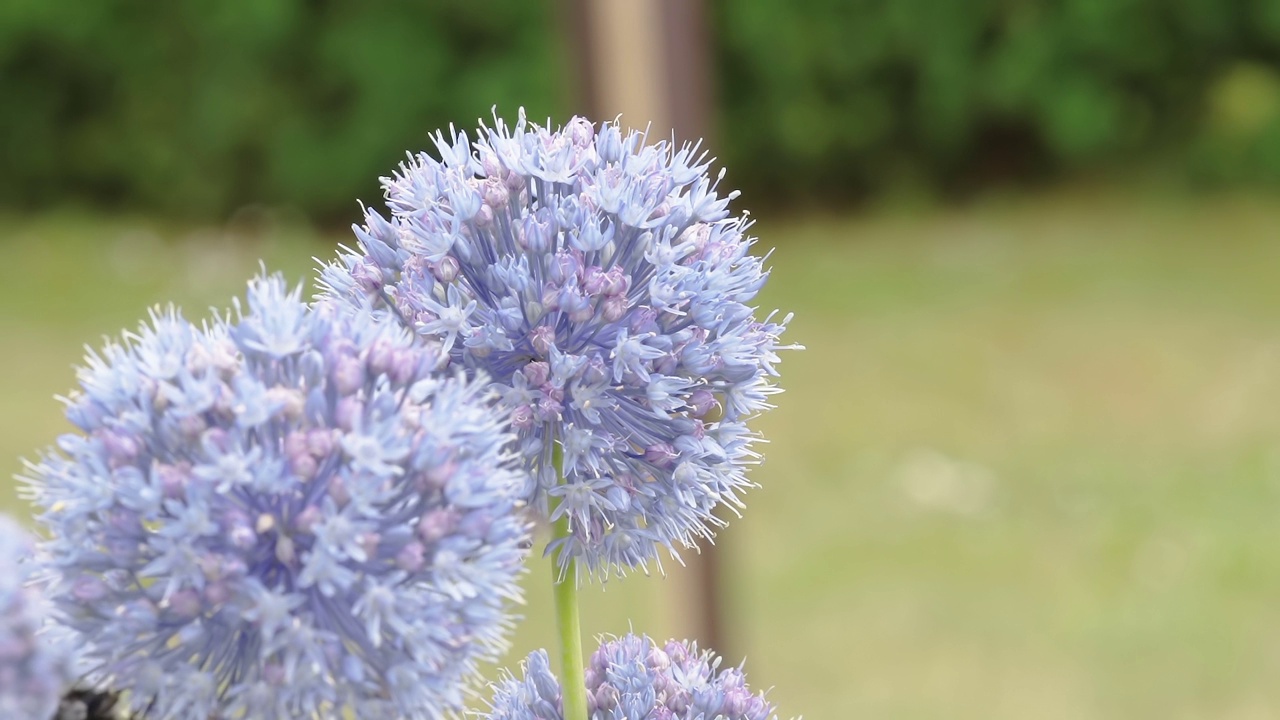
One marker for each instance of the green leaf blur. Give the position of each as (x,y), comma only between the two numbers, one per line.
(196,108)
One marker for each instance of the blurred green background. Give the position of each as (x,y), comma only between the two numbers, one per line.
(1028,465)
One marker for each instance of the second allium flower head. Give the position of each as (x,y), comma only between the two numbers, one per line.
(291,513)
(602,284)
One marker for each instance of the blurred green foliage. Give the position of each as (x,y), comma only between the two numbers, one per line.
(197,107)
(840,95)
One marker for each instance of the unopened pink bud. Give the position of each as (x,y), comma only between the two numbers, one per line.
(613,308)
(701,401)
(347,412)
(338,491)
(347,375)
(435,524)
(185,603)
(320,442)
(446,270)
(216,593)
(306,520)
(522,417)
(543,338)
(411,557)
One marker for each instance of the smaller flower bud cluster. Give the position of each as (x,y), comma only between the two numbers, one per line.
(34,670)
(290,513)
(635,678)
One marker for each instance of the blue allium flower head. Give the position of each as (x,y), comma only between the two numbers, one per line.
(602,284)
(34,668)
(288,513)
(634,678)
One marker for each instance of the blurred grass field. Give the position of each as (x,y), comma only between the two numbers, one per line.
(1027,467)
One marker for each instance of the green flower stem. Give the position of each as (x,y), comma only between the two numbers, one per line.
(572,669)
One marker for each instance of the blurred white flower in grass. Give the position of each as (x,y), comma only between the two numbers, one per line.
(933,481)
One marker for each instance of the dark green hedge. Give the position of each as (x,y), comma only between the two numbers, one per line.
(839,95)
(197,106)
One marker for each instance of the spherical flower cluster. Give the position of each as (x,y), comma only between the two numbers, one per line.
(34,670)
(603,286)
(288,513)
(636,679)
